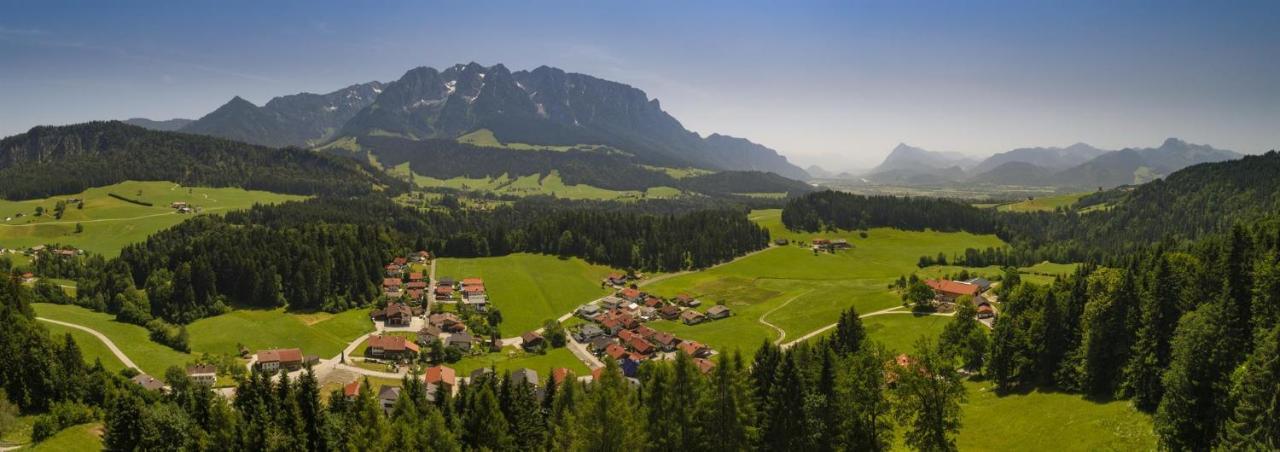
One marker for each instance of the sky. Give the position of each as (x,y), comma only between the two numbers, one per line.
(837,84)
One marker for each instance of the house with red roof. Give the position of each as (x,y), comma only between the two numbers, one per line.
(391,347)
(287,358)
(704,365)
(351,390)
(441,376)
(615,351)
(948,291)
(639,345)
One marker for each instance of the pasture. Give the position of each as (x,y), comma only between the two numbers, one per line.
(83,437)
(109,223)
(530,288)
(550,184)
(90,347)
(511,358)
(320,333)
(1047,420)
(1042,203)
(798,291)
(133,340)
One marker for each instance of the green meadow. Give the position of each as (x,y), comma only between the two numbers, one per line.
(1047,420)
(90,347)
(109,223)
(550,184)
(321,334)
(511,358)
(1042,203)
(530,288)
(799,291)
(83,437)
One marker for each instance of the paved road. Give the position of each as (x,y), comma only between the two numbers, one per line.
(110,345)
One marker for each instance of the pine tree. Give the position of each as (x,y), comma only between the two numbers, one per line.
(609,418)
(930,394)
(1104,346)
(1151,352)
(785,425)
(527,422)
(1190,413)
(561,435)
(485,426)
(849,334)
(866,419)
(763,369)
(1255,395)
(681,401)
(727,410)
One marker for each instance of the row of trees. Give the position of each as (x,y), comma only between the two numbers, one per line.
(832,210)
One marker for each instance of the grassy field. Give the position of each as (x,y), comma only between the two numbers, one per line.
(1042,420)
(90,346)
(1042,203)
(484,137)
(898,332)
(537,185)
(109,223)
(133,340)
(530,288)
(321,333)
(798,291)
(84,437)
(511,359)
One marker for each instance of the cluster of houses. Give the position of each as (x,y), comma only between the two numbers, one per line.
(449,329)
(471,290)
(946,292)
(830,245)
(402,281)
(619,332)
(182,207)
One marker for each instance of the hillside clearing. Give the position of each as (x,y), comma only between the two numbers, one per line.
(530,288)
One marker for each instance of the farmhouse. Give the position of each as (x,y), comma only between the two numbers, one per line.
(287,358)
(985,311)
(447,322)
(615,351)
(695,349)
(669,312)
(718,312)
(351,390)
(395,314)
(612,302)
(686,300)
(387,396)
(462,341)
(148,382)
(616,279)
(400,261)
(653,302)
(982,284)
(631,295)
(391,347)
(205,374)
(466,282)
(441,376)
(691,317)
(947,291)
(469,292)
(393,270)
(531,340)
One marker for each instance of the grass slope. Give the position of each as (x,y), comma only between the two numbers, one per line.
(512,359)
(800,292)
(321,334)
(1042,420)
(109,223)
(83,437)
(538,185)
(530,288)
(133,340)
(90,347)
(1042,203)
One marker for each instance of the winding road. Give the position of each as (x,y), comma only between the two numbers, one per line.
(110,345)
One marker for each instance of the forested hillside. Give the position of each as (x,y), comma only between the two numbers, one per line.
(829,210)
(50,161)
(328,253)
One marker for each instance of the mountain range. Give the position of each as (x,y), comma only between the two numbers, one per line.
(544,106)
(1078,165)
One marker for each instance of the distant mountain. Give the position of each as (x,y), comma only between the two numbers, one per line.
(296,120)
(169,125)
(1015,173)
(1051,158)
(1139,165)
(47,161)
(740,154)
(819,172)
(909,165)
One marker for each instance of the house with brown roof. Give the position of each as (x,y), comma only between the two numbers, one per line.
(611,325)
(985,311)
(615,351)
(560,375)
(653,302)
(444,292)
(393,270)
(286,358)
(418,285)
(639,345)
(531,340)
(395,314)
(669,312)
(718,312)
(462,341)
(685,299)
(704,365)
(422,256)
(600,344)
(351,390)
(692,317)
(945,291)
(415,277)
(392,347)
(695,349)
(665,341)
(447,322)
(645,332)
(400,261)
(205,374)
(629,294)
(441,376)
(472,282)
(616,279)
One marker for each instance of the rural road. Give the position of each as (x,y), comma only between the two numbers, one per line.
(782,334)
(893,310)
(110,345)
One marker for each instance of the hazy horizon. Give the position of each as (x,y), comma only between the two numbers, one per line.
(835,84)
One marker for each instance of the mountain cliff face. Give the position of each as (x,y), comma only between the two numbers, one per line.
(545,106)
(297,120)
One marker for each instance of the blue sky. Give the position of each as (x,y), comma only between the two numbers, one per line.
(836,83)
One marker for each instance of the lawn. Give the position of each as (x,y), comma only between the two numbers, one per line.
(133,340)
(511,358)
(1042,420)
(321,334)
(899,332)
(1042,203)
(798,291)
(530,288)
(550,184)
(109,223)
(90,347)
(83,437)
